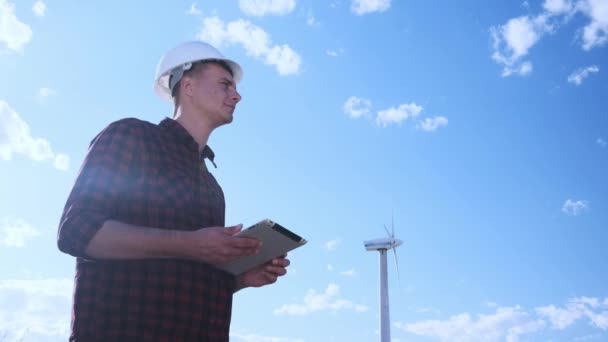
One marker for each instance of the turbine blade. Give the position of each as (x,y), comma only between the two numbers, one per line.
(386,230)
(397,266)
(393,225)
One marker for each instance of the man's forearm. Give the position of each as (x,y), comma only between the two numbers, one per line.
(117,240)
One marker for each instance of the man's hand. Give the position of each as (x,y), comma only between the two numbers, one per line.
(218,245)
(264,274)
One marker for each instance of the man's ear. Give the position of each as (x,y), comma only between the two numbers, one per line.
(186,85)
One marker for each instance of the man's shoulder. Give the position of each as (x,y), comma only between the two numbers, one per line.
(132,123)
(127,129)
(130,126)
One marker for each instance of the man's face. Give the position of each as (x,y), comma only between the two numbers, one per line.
(214,94)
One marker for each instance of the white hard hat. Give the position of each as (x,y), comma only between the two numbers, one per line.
(179,59)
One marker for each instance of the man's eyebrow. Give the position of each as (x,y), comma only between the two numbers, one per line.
(225,79)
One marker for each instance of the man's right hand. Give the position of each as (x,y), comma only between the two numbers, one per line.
(218,245)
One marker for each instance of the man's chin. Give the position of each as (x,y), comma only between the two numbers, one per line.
(228,119)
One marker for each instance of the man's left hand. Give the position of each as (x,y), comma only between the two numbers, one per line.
(264,274)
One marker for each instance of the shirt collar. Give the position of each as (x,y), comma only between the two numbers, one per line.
(177,131)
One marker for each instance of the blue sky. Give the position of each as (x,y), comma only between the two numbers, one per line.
(481,127)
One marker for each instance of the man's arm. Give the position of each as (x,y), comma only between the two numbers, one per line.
(105,177)
(214,245)
(117,240)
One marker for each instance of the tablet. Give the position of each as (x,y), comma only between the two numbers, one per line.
(276,241)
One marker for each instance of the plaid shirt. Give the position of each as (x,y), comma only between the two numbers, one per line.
(154,176)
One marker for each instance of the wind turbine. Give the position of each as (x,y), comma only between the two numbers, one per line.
(383,245)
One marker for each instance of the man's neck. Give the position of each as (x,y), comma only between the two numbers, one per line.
(198,128)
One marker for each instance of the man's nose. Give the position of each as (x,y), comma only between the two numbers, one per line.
(235,96)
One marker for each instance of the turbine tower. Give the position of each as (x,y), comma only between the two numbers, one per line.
(383,245)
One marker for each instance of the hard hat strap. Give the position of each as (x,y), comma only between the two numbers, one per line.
(176,75)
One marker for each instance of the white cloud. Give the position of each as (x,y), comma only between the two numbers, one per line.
(556,7)
(513,40)
(596,32)
(15,138)
(62,162)
(574,310)
(509,323)
(330,267)
(335,53)
(327,301)
(44,92)
(13,32)
(332,244)
(575,208)
(505,324)
(579,75)
(361,7)
(520,34)
(257,338)
(431,124)
(357,107)
(559,318)
(16,232)
(39,8)
(601,142)
(524,69)
(260,8)
(254,40)
(36,309)
(600,320)
(193,10)
(588,337)
(349,273)
(311,21)
(214,32)
(398,114)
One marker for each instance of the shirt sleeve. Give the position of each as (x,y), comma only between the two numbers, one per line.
(104,179)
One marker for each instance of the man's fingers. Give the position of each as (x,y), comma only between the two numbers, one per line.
(239,249)
(233,229)
(246,243)
(280,262)
(275,270)
(271,278)
(236,252)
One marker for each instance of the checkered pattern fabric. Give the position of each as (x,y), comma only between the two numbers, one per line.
(148,175)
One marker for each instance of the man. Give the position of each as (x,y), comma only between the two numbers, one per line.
(145,218)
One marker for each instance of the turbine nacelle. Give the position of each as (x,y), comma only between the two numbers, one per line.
(379,244)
